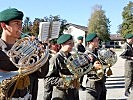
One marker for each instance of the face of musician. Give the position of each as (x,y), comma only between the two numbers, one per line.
(95,42)
(80,41)
(13,28)
(11,23)
(67,46)
(130,41)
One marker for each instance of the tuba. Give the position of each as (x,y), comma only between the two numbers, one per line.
(28,55)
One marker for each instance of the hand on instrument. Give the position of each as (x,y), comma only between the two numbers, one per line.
(91,57)
(75,83)
(97,65)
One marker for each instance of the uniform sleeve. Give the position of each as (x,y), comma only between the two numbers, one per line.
(54,81)
(42,72)
(124,55)
(5,63)
(53,77)
(127,53)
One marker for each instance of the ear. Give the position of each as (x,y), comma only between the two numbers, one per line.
(3,25)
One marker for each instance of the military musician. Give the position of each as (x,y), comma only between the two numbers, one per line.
(11,24)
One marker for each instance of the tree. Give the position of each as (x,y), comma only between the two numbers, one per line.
(27,25)
(99,23)
(35,27)
(127,16)
(57,18)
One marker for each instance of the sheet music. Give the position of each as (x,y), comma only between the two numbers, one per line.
(43,30)
(55,29)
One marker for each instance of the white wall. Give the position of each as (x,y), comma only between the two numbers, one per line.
(75,32)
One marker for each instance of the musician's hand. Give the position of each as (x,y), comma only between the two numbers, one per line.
(75,83)
(97,65)
(132,58)
(90,57)
(33,37)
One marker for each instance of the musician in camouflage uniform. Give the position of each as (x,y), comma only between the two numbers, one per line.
(53,49)
(79,46)
(128,56)
(58,67)
(11,24)
(95,89)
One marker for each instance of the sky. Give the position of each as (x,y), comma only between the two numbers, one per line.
(74,11)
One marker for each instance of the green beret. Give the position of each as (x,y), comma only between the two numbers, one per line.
(129,36)
(64,38)
(80,38)
(90,37)
(10,14)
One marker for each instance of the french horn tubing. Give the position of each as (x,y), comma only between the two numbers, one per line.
(107,57)
(80,64)
(28,55)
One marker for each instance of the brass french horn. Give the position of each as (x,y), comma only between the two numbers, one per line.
(97,71)
(108,57)
(80,64)
(28,55)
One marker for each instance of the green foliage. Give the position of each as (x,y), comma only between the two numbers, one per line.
(63,26)
(99,23)
(127,16)
(57,18)
(27,25)
(35,27)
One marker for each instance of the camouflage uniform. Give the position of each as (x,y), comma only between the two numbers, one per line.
(80,48)
(95,90)
(127,54)
(57,67)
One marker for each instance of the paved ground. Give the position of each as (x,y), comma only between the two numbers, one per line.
(114,84)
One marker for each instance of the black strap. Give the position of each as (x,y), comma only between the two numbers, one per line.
(129,46)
